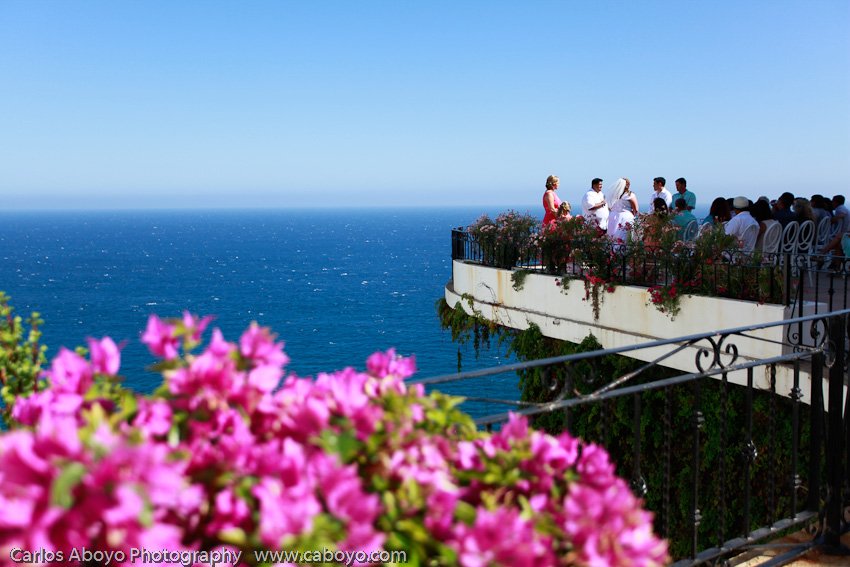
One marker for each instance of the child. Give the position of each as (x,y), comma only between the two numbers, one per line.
(564,211)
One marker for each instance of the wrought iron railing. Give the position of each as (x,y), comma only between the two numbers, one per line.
(753,460)
(732,274)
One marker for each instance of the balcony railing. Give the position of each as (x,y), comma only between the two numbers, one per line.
(794,280)
(723,466)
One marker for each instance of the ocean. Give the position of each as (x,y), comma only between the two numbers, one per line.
(335,285)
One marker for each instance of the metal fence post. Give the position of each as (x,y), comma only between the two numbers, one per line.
(816,441)
(835,435)
(457,244)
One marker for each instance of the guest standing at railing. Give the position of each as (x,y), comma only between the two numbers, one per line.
(551,202)
(624,206)
(660,191)
(594,206)
(683,193)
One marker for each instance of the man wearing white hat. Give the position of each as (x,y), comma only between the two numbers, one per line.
(743,226)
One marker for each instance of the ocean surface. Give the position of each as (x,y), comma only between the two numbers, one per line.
(335,285)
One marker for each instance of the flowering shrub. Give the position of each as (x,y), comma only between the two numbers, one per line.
(558,241)
(668,298)
(714,265)
(21,356)
(655,231)
(231,454)
(505,240)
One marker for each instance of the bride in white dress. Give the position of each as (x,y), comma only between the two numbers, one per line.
(624,207)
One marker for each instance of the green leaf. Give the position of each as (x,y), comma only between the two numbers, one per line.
(344,444)
(61,493)
(465,512)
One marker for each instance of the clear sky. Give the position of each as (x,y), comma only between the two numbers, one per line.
(176,103)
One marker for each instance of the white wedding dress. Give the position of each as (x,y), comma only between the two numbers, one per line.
(621,219)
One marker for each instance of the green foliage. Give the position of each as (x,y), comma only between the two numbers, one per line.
(506,239)
(518,279)
(656,230)
(464,327)
(561,240)
(21,356)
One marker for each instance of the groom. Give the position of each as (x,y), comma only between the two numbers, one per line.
(593,205)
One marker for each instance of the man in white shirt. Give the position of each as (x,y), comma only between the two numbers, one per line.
(659,191)
(593,205)
(743,226)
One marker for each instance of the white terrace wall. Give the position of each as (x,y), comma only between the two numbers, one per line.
(626,318)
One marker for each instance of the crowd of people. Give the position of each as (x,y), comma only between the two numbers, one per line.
(614,210)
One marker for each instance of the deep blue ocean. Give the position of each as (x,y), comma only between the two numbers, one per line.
(335,285)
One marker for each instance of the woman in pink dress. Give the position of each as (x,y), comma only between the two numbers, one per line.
(551,202)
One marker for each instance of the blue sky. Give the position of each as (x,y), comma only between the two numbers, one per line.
(107,104)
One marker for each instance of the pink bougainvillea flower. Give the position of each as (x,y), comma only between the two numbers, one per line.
(229,451)
(594,466)
(608,527)
(105,356)
(265,378)
(70,372)
(29,410)
(502,537)
(382,364)
(229,512)
(153,417)
(218,346)
(160,338)
(284,510)
(258,345)
(195,326)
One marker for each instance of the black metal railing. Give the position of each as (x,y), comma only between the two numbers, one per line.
(732,273)
(723,466)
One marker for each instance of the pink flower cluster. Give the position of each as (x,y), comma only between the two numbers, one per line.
(232,453)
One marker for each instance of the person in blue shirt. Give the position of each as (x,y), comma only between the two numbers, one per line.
(782,209)
(682,217)
(688,196)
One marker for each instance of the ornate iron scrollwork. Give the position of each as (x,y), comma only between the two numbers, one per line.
(829,352)
(818,332)
(716,353)
(563,381)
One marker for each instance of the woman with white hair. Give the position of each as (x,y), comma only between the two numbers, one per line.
(624,206)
